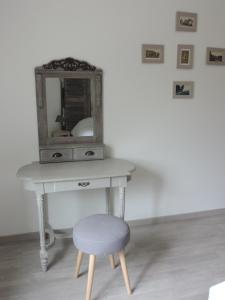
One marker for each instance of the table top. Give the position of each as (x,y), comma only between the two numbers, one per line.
(109,167)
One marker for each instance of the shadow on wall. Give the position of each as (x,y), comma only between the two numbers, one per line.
(144,192)
(146,189)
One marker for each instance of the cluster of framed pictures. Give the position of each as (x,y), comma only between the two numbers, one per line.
(152,53)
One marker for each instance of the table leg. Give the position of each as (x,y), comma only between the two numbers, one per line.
(122,201)
(43,251)
(108,195)
(51,235)
(49,232)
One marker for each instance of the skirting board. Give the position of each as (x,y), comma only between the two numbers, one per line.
(67,233)
(180,217)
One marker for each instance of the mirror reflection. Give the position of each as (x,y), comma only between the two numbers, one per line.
(69,109)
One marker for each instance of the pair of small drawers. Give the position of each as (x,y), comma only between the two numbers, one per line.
(71,154)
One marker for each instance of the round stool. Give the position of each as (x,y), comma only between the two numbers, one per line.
(97,235)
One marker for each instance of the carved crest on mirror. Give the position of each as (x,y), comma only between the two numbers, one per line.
(69,64)
(69,110)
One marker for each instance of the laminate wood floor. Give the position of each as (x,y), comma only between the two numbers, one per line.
(171,261)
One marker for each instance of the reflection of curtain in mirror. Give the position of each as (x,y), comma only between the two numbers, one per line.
(77,101)
(53,100)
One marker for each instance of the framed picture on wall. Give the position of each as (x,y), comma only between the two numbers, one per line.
(215,56)
(183,89)
(185,56)
(186,21)
(152,53)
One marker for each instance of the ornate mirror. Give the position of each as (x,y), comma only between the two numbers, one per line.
(69,110)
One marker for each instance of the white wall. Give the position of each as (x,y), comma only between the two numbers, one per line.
(178,146)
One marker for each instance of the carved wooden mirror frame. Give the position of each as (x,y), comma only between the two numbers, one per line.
(69,68)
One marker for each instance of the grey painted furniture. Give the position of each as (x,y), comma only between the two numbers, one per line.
(69,111)
(55,177)
(101,235)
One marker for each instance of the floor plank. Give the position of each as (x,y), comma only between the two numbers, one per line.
(171,261)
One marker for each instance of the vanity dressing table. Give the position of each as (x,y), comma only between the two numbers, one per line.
(70,132)
(50,178)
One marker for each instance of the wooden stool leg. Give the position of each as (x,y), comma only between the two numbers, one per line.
(112,261)
(124,270)
(91,268)
(78,263)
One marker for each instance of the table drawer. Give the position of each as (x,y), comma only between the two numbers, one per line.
(84,184)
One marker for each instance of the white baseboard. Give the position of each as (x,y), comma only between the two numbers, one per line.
(180,217)
(65,233)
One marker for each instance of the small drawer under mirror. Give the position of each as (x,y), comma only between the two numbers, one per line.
(56,155)
(88,153)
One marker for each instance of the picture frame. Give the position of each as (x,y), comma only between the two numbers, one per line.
(186,21)
(185,56)
(215,56)
(183,89)
(153,54)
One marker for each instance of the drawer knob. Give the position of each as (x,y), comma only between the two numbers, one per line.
(84,184)
(89,153)
(56,155)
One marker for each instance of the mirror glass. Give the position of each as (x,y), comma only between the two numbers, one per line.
(69,107)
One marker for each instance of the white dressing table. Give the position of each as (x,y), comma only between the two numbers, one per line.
(69,176)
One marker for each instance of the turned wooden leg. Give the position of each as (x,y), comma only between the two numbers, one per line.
(112,261)
(122,201)
(41,217)
(124,270)
(91,268)
(78,263)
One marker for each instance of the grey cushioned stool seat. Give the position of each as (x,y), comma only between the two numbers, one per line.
(101,234)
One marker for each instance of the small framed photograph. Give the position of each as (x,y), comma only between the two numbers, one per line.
(152,54)
(185,56)
(183,89)
(186,21)
(215,56)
